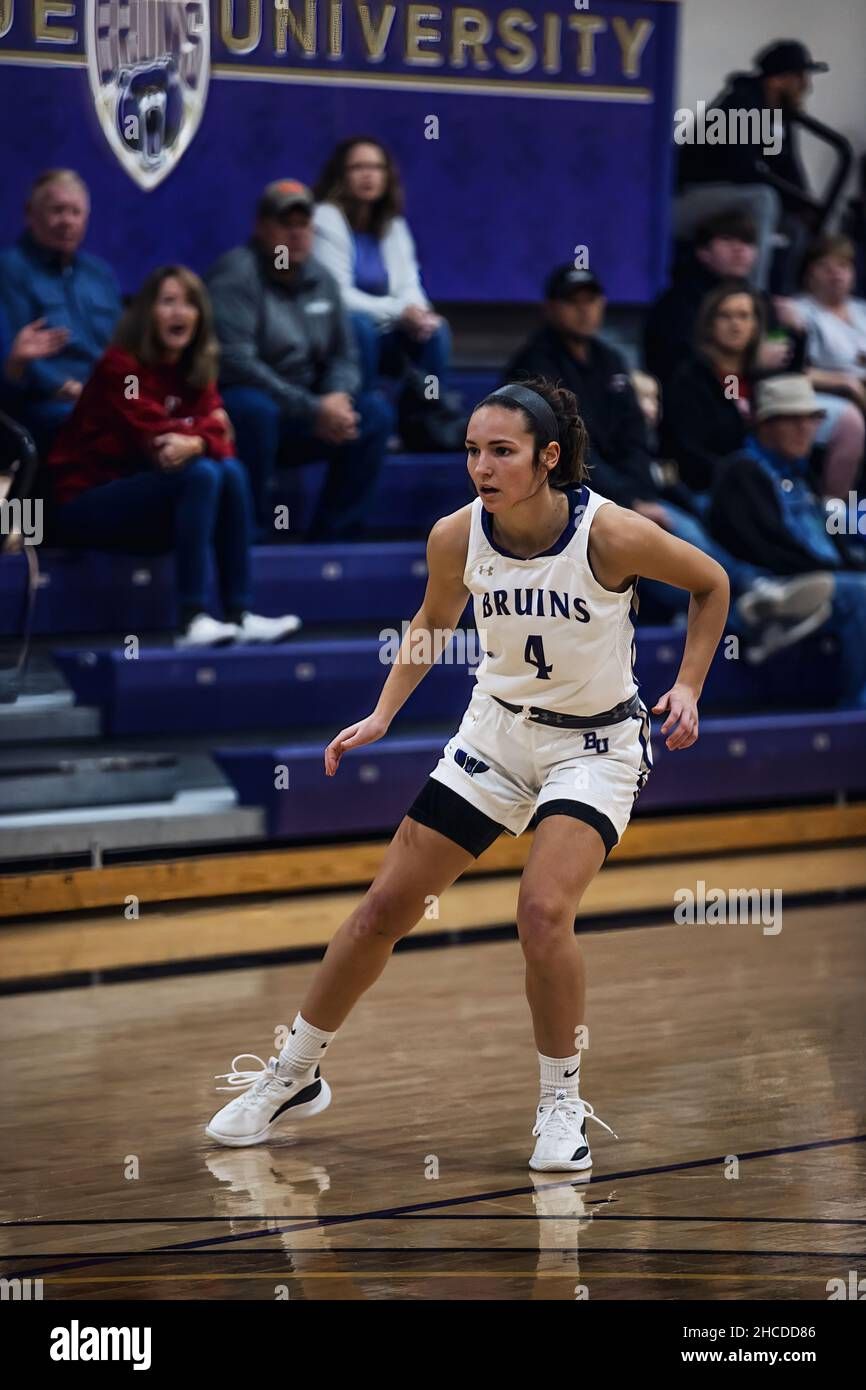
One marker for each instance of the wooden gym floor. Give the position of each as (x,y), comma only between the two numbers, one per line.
(729,1062)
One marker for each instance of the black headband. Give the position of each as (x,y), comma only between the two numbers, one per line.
(535,406)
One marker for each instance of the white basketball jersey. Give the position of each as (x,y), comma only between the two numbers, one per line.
(552,636)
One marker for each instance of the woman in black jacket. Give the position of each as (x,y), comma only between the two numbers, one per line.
(707,404)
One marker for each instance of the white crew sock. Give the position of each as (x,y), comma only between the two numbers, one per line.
(559,1074)
(304,1049)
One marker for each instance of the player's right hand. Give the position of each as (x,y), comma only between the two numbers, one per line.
(355,736)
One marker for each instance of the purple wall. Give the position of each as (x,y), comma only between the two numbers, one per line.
(511,186)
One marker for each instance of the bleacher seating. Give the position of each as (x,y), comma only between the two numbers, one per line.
(315,682)
(227,690)
(94,592)
(768,725)
(412,491)
(736,761)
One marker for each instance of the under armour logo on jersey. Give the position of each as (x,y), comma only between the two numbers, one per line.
(470,765)
(485,569)
(593,744)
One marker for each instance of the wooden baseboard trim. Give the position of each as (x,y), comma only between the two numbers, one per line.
(164,935)
(302,869)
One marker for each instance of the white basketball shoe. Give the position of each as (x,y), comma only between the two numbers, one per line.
(254,628)
(252,1118)
(560,1127)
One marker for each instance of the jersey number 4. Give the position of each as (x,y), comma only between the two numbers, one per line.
(534,654)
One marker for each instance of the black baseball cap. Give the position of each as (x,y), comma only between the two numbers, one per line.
(565,281)
(283,196)
(787,55)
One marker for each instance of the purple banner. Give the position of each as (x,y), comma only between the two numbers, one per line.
(522,133)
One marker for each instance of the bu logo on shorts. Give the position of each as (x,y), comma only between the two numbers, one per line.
(469,764)
(593,744)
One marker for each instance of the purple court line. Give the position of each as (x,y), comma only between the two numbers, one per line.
(418,1207)
(412,1208)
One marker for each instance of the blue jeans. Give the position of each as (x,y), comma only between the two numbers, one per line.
(384,353)
(847,624)
(201,510)
(267,438)
(688,528)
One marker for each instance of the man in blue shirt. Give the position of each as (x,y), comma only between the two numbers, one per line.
(45,276)
(765,512)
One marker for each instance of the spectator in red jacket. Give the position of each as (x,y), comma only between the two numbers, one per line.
(145,463)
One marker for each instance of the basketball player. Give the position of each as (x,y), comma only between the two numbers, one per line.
(555,728)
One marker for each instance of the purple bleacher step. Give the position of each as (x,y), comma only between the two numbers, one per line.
(307,683)
(735,762)
(412,492)
(98,592)
(298,684)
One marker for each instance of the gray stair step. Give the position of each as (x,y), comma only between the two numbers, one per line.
(42,784)
(192,818)
(64,776)
(47,718)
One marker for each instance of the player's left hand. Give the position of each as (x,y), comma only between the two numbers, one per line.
(681,704)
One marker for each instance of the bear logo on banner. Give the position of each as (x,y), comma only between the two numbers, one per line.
(149,65)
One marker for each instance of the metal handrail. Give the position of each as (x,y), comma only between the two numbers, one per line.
(17,446)
(819,207)
(19,458)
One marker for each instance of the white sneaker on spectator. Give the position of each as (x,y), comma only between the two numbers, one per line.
(785,611)
(205,631)
(781,600)
(776,636)
(254,628)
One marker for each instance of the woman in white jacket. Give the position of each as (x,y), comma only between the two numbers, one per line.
(364,240)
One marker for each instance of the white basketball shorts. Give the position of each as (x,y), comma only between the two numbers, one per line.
(510,769)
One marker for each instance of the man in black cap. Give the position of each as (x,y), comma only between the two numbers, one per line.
(739,173)
(290,375)
(567,350)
